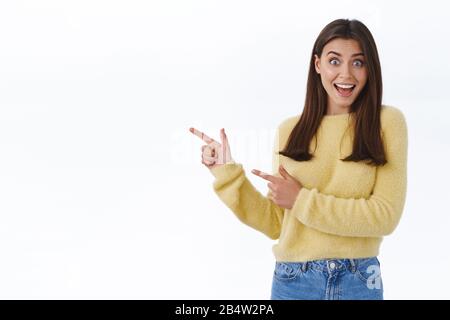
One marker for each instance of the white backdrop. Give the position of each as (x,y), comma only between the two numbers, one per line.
(102,193)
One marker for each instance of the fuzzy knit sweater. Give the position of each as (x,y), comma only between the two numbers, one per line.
(344,208)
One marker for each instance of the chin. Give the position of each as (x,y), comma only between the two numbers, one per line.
(343,105)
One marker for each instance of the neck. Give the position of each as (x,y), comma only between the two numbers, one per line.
(337,110)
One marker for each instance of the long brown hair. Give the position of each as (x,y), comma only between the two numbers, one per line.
(366,109)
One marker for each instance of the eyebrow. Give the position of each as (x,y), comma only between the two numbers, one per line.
(353,55)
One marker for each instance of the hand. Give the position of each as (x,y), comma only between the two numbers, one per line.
(214,154)
(284,189)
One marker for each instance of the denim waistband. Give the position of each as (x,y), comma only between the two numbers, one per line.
(334,264)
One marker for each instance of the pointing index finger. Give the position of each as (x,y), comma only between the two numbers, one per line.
(264,175)
(202,136)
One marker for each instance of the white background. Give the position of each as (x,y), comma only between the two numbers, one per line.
(102,193)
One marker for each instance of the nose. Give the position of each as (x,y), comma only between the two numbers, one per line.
(345,71)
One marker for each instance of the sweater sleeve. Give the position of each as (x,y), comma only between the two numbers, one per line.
(247,203)
(360,217)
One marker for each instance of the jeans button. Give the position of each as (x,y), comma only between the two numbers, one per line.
(332,265)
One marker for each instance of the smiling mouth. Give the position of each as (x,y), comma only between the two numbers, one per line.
(344,90)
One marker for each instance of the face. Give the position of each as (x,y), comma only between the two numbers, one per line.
(343,73)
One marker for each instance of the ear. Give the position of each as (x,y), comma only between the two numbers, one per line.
(317,63)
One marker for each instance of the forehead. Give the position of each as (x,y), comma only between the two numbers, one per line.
(345,47)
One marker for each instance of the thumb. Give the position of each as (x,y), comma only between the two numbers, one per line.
(225,152)
(223,136)
(224,140)
(284,173)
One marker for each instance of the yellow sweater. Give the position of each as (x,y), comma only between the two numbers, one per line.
(344,208)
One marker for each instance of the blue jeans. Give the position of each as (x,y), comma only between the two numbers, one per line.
(330,279)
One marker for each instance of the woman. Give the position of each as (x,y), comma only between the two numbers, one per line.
(339,182)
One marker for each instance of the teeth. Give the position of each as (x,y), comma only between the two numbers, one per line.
(345,86)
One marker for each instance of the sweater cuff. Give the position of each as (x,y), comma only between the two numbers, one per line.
(226,170)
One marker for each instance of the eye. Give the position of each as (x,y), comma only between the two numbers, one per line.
(334,61)
(358,63)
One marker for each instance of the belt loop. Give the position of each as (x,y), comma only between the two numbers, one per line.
(352,262)
(304,266)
